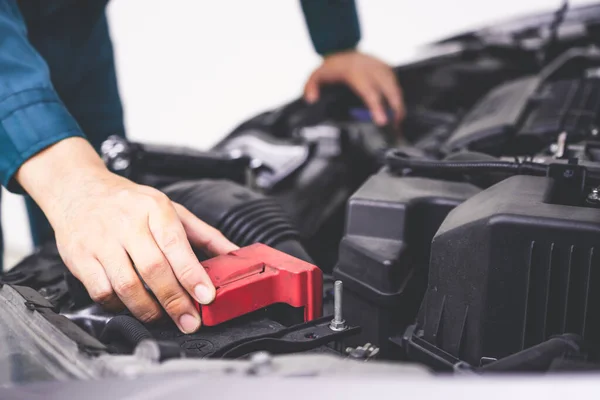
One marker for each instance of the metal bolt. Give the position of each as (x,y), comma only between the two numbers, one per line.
(120,163)
(337,323)
(364,352)
(260,363)
(261,359)
(594,196)
(373,351)
(112,146)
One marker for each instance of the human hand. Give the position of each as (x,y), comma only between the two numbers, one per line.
(111,232)
(370,78)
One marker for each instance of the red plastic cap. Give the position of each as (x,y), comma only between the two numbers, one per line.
(258,276)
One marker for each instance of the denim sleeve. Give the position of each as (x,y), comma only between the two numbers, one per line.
(333,24)
(32,116)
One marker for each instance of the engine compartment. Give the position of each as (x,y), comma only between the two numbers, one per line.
(470,242)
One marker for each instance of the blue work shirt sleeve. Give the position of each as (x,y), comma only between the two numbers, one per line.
(333,24)
(32,116)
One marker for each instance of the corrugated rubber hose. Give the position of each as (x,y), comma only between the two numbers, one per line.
(124,328)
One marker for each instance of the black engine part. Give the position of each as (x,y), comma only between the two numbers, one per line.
(508,270)
(384,254)
(523,116)
(126,329)
(539,357)
(159,165)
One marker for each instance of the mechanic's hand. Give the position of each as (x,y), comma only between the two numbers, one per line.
(373,80)
(109,230)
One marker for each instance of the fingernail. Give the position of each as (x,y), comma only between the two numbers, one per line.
(204,294)
(189,323)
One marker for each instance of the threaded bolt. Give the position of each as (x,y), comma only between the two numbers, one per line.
(337,323)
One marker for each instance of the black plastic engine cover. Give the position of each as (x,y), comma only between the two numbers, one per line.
(490,124)
(383,256)
(524,116)
(570,105)
(509,270)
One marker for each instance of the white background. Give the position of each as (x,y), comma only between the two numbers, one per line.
(190,70)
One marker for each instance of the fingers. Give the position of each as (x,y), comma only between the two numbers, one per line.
(169,234)
(311,89)
(370,93)
(156,272)
(91,274)
(126,283)
(388,85)
(202,235)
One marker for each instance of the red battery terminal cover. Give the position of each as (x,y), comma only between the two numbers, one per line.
(258,276)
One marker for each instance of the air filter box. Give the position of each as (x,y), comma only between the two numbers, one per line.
(384,253)
(508,270)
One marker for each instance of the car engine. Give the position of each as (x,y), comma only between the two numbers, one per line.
(466,242)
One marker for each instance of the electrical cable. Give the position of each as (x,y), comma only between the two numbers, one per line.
(398,163)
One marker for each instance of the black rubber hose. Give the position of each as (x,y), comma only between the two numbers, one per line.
(242,215)
(398,162)
(294,248)
(537,358)
(124,328)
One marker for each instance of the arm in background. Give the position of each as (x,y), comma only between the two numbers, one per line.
(333,25)
(335,32)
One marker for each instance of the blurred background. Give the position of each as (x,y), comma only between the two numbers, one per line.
(190,71)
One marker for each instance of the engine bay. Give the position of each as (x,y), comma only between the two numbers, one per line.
(469,242)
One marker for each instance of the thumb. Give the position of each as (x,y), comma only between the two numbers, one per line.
(311,89)
(202,235)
